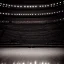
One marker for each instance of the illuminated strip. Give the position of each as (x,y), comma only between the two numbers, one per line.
(31,14)
(43,21)
(32,6)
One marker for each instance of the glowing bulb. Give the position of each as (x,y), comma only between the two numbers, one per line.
(0,3)
(40,6)
(23,14)
(11,5)
(59,11)
(47,13)
(2,63)
(11,13)
(30,62)
(13,62)
(19,14)
(5,13)
(8,13)
(16,14)
(38,14)
(62,11)
(27,14)
(20,6)
(35,62)
(51,5)
(27,6)
(54,12)
(23,63)
(14,5)
(8,5)
(42,62)
(35,6)
(30,6)
(47,5)
(48,63)
(24,6)
(3,4)
(42,13)
(0,13)
(35,14)
(18,63)
(56,3)
(60,2)
(32,14)
(60,19)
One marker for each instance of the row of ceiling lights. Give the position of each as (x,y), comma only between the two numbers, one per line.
(43,21)
(35,62)
(32,6)
(31,14)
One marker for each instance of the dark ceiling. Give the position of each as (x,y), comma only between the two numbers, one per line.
(29,1)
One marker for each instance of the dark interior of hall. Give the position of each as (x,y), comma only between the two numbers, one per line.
(32,22)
